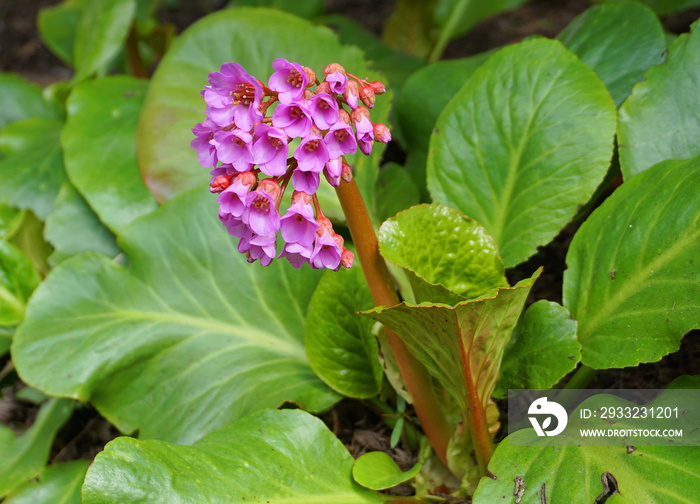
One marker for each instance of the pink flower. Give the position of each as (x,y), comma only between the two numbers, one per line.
(261,213)
(232,200)
(327,253)
(337,81)
(340,140)
(297,254)
(234,147)
(293,118)
(312,153)
(289,80)
(206,152)
(364,129)
(324,110)
(299,225)
(234,96)
(332,171)
(270,150)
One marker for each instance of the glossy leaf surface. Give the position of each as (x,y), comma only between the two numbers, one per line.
(619,42)
(659,120)
(10,220)
(24,456)
(100,34)
(18,279)
(73,228)
(252,38)
(339,342)
(633,268)
(542,350)
(57,484)
(442,246)
(187,324)
(523,144)
(32,170)
(271,456)
(663,6)
(377,470)
(100,148)
(20,99)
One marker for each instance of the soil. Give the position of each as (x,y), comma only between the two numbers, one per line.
(356,423)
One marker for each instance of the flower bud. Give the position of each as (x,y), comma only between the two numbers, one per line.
(271,187)
(367,96)
(324,224)
(347,258)
(324,87)
(339,240)
(346,173)
(300,195)
(382,133)
(378,87)
(334,67)
(344,116)
(358,114)
(311,75)
(220,182)
(351,94)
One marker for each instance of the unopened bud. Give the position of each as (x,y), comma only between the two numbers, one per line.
(378,87)
(311,75)
(382,133)
(246,178)
(346,173)
(324,87)
(271,187)
(220,182)
(351,94)
(359,114)
(308,94)
(324,224)
(300,196)
(344,116)
(332,68)
(339,240)
(347,258)
(367,96)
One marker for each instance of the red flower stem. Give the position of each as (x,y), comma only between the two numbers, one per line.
(418,381)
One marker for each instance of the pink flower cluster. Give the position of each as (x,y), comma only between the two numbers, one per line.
(246,137)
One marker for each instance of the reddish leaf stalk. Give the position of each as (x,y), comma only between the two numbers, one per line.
(418,381)
(475,417)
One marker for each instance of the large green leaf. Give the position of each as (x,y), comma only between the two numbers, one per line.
(20,99)
(654,474)
(18,279)
(22,457)
(659,120)
(56,484)
(339,343)
(73,228)
(58,25)
(377,470)
(662,7)
(100,34)
(619,42)
(32,170)
(632,274)
(99,141)
(525,142)
(442,246)
(284,456)
(308,9)
(10,221)
(254,39)
(183,340)
(542,350)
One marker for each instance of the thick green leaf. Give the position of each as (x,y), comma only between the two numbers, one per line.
(525,142)
(32,169)
(20,99)
(100,34)
(394,191)
(58,25)
(658,474)
(99,141)
(442,246)
(185,339)
(542,350)
(57,484)
(462,345)
(377,470)
(618,42)
(339,342)
(22,457)
(5,340)
(18,279)
(252,38)
(73,228)
(269,457)
(659,120)
(632,274)
(662,7)
(10,220)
